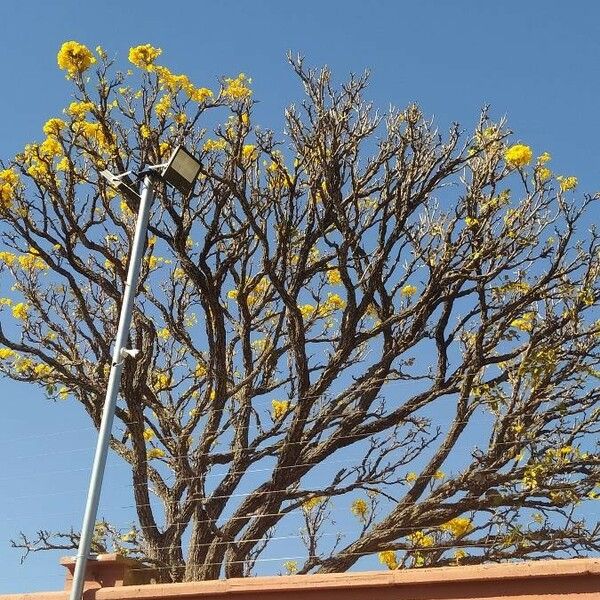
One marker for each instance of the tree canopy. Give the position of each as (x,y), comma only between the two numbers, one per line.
(362,315)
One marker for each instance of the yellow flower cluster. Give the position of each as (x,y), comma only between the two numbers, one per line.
(291,567)
(160,381)
(53,127)
(176,83)
(200,370)
(74,58)
(163,106)
(93,132)
(518,155)
(6,353)
(472,222)
(31,261)
(543,172)
(334,277)
(334,302)
(8,183)
(389,559)
(20,311)
(155,453)
(249,153)
(236,88)
(312,503)
(280,407)
(419,539)
(360,508)
(79,110)
(214,145)
(8,258)
(408,291)
(259,291)
(148,434)
(143,56)
(458,526)
(306,310)
(567,183)
(524,323)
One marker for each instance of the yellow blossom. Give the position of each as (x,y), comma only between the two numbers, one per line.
(334,302)
(232,294)
(408,290)
(6,353)
(389,559)
(180,118)
(334,277)
(567,183)
(31,262)
(200,95)
(459,554)
(23,365)
(306,310)
(214,145)
(518,155)
(53,126)
(291,567)
(439,475)
(63,164)
(63,393)
(79,110)
(50,147)
(280,407)
(458,526)
(543,173)
(164,148)
(155,453)
(312,503)
(360,508)
(412,476)
(20,311)
(472,222)
(145,131)
(200,370)
(148,434)
(236,88)
(8,183)
(418,538)
(160,381)
(524,323)
(74,58)
(8,258)
(245,119)
(544,158)
(164,333)
(143,56)
(42,371)
(5,302)
(162,106)
(249,152)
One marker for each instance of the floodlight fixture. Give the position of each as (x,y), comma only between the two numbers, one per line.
(121,185)
(181,170)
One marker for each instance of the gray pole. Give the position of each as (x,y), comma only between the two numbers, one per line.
(114,381)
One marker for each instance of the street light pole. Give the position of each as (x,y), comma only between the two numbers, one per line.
(114,381)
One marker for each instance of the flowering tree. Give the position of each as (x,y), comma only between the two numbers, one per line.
(365,317)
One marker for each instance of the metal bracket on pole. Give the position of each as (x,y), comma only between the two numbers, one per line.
(114,381)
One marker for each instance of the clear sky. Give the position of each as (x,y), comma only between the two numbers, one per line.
(536,62)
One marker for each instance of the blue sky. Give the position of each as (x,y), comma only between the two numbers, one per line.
(536,62)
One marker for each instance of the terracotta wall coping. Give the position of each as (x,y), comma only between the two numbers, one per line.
(365,579)
(374,579)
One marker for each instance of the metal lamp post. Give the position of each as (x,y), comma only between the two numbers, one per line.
(180,171)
